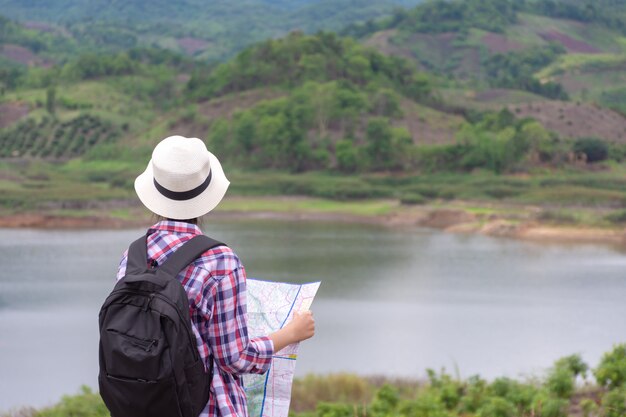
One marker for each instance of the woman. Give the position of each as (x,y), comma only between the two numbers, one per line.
(184,181)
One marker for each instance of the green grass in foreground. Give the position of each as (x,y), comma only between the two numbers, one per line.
(566,390)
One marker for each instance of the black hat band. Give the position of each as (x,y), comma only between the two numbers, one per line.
(183,195)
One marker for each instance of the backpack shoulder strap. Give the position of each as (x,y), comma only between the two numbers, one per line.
(137,258)
(187,253)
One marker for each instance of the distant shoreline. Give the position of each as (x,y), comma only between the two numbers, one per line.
(454,217)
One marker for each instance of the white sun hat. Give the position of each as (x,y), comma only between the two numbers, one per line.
(183,179)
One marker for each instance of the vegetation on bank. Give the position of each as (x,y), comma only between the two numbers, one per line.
(569,197)
(565,390)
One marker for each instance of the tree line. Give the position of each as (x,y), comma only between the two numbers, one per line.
(297,58)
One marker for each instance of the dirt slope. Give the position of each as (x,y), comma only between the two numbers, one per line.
(575,120)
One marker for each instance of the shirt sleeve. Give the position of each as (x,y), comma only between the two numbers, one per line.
(121,269)
(227,330)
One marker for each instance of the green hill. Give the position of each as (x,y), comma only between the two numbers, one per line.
(466,38)
(502,53)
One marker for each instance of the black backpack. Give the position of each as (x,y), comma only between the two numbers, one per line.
(149,360)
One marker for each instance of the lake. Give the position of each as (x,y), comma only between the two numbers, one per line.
(392,302)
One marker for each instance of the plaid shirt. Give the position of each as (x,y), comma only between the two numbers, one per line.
(216,286)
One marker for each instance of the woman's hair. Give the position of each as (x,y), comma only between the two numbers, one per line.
(195,220)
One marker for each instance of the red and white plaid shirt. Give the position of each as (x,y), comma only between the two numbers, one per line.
(216,287)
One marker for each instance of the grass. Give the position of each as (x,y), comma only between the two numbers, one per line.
(307,205)
(581,62)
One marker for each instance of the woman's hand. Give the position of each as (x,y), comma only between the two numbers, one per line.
(300,328)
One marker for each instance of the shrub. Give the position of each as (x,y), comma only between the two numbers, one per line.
(386,401)
(556,216)
(412,199)
(425,190)
(497,407)
(561,382)
(611,372)
(448,194)
(501,386)
(87,404)
(614,403)
(590,408)
(554,407)
(349,190)
(617,216)
(334,410)
(595,149)
(573,363)
(426,405)
(501,192)
(475,394)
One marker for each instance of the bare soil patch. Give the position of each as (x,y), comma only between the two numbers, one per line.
(382,42)
(470,64)
(446,218)
(572,83)
(435,49)
(224,107)
(441,41)
(40,26)
(23,56)
(572,45)
(45,27)
(574,120)
(12,112)
(500,44)
(192,45)
(572,234)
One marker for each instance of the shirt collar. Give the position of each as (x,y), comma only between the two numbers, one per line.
(175,226)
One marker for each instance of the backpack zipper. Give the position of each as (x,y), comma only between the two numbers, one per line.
(145,344)
(152,295)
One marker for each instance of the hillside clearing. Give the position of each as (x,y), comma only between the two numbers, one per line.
(575,120)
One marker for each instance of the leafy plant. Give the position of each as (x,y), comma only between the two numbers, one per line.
(611,372)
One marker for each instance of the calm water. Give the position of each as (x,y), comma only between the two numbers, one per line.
(391,302)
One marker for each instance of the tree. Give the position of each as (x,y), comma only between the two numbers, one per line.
(595,149)
(379,138)
(219,138)
(245,130)
(51,93)
(323,101)
(347,156)
(385,102)
(538,140)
